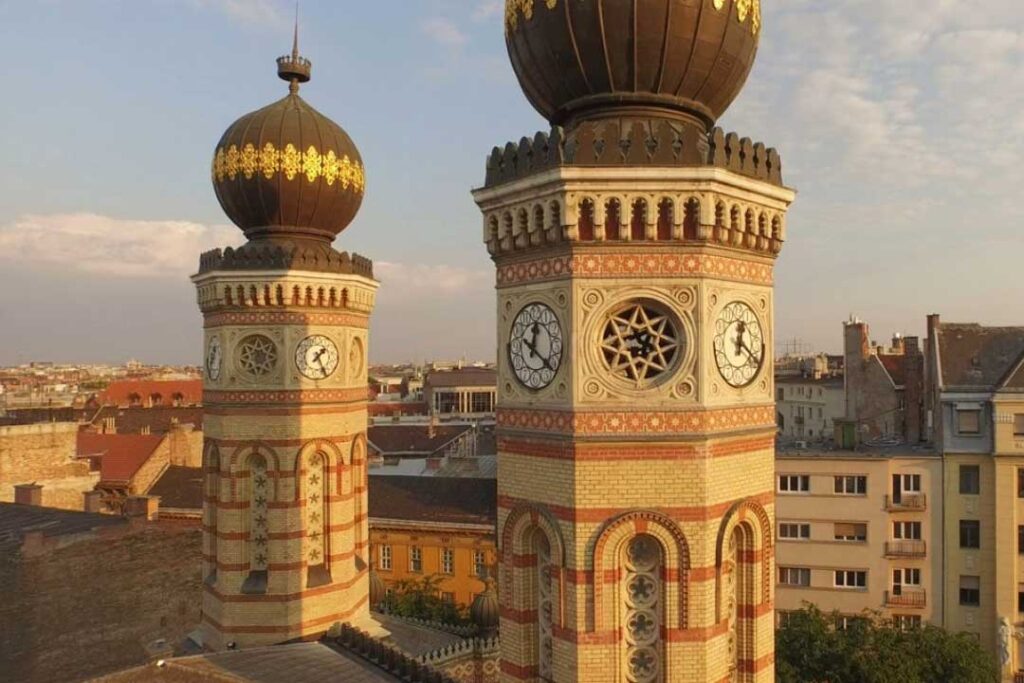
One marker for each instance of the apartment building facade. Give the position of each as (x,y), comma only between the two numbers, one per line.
(808,407)
(860,531)
(975,403)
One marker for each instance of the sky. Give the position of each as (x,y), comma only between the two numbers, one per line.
(900,124)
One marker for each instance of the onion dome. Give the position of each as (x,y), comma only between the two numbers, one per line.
(584,59)
(286,170)
(484,610)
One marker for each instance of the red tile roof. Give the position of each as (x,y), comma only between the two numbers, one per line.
(121,393)
(121,455)
(894,365)
(410,440)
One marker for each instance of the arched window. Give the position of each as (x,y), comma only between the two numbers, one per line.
(613,220)
(642,610)
(737,591)
(317,547)
(544,605)
(259,528)
(691,219)
(665,220)
(638,221)
(586,221)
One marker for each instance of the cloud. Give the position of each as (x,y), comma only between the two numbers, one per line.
(424,281)
(488,9)
(113,247)
(256,12)
(444,32)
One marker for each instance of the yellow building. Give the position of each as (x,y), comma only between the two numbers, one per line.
(860,531)
(975,401)
(441,527)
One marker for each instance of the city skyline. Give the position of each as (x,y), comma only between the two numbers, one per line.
(886,134)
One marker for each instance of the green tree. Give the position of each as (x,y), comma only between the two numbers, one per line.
(810,649)
(421,599)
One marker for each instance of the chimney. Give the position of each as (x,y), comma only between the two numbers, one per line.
(143,507)
(92,501)
(28,494)
(898,343)
(911,345)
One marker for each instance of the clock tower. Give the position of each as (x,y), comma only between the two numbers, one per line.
(286,316)
(634,248)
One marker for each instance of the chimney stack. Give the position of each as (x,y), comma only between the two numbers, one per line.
(28,494)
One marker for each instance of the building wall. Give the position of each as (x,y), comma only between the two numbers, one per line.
(87,608)
(44,454)
(872,400)
(809,409)
(464,583)
(822,508)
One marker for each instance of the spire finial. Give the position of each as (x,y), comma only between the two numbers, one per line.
(295,38)
(294,68)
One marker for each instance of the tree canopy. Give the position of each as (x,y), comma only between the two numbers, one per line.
(809,648)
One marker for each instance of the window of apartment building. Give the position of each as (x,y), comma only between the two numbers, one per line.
(908,531)
(1020,598)
(780,394)
(481,402)
(1020,539)
(1020,482)
(794,531)
(794,576)
(782,618)
(384,558)
(448,597)
(970,533)
(968,422)
(415,559)
(447,561)
(905,576)
(794,483)
(845,621)
(1018,424)
(970,591)
(851,486)
(970,479)
(851,578)
(479,563)
(908,483)
(905,622)
(851,531)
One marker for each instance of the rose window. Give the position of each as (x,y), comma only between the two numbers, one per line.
(642,608)
(640,342)
(257,355)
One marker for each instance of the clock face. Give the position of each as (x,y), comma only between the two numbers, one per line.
(316,357)
(739,344)
(535,346)
(213,359)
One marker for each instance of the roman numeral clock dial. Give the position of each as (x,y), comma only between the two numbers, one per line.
(316,357)
(739,344)
(535,346)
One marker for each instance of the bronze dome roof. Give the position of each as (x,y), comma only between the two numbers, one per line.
(286,170)
(682,59)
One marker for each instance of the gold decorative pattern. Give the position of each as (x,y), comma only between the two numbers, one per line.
(229,162)
(744,9)
(637,422)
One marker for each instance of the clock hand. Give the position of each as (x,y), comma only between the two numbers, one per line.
(535,354)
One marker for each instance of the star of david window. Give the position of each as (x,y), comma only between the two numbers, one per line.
(259,531)
(257,355)
(641,342)
(315,508)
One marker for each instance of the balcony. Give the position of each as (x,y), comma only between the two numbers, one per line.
(1018,677)
(905,548)
(905,598)
(907,501)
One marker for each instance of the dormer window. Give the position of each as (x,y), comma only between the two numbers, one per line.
(968,421)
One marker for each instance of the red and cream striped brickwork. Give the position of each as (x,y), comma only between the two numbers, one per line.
(635,520)
(286,537)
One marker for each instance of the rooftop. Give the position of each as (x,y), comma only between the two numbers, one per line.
(973,357)
(455,500)
(464,377)
(180,487)
(413,439)
(17,520)
(121,455)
